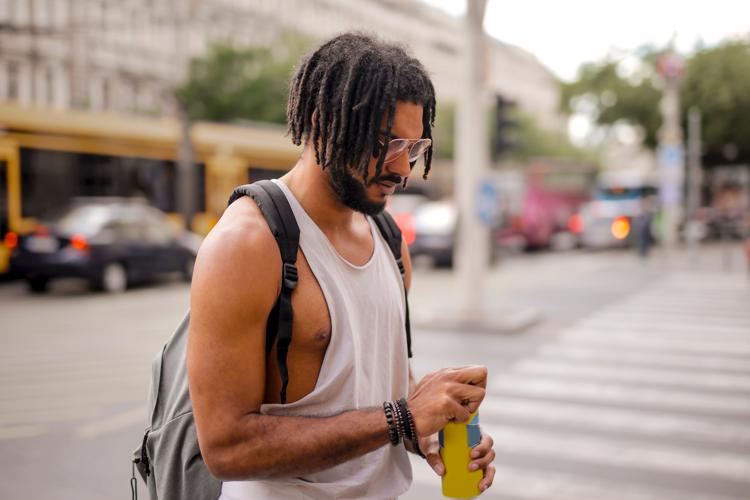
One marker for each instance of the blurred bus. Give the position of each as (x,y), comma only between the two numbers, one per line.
(49,157)
(612,217)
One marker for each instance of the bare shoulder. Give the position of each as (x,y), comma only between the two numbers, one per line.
(239,261)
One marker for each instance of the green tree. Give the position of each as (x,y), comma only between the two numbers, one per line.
(531,140)
(615,98)
(234,83)
(716,81)
(534,141)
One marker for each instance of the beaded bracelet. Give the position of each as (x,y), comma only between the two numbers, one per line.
(411,429)
(393,433)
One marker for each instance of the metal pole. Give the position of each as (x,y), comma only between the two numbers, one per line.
(185,169)
(671,153)
(472,252)
(694,229)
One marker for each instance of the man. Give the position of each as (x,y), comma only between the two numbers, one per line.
(364,110)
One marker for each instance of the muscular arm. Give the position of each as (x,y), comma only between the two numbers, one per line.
(235,285)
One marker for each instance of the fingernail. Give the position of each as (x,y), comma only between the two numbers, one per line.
(473,467)
(483,487)
(474,454)
(438,469)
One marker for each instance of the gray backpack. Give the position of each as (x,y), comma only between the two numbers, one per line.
(169,459)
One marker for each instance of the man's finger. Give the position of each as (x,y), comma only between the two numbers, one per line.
(483,461)
(436,463)
(489,476)
(467,393)
(472,375)
(484,446)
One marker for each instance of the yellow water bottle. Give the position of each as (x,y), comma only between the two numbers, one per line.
(456,442)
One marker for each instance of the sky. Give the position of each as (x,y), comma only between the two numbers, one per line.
(565,34)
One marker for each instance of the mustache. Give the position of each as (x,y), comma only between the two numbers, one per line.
(396,179)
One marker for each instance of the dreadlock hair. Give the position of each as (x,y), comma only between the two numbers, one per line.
(340,92)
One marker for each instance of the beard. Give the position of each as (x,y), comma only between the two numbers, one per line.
(352,193)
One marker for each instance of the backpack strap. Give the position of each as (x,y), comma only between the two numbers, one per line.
(392,234)
(278,214)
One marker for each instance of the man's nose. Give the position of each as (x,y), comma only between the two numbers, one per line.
(400,166)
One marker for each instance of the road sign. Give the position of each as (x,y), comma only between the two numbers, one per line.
(488,202)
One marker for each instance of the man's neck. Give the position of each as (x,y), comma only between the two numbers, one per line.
(310,185)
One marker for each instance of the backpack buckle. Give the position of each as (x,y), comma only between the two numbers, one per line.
(401,268)
(289,276)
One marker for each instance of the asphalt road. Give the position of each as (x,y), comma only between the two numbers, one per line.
(634,383)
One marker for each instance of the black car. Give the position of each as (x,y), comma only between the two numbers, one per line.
(109,242)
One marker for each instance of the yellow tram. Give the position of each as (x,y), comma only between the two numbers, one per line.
(49,156)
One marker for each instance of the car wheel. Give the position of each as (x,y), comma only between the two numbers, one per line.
(187,268)
(38,284)
(114,278)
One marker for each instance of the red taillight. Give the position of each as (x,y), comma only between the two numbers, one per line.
(11,240)
(405,222)
(78,242)
(575,224)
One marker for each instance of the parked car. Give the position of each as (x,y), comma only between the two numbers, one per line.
(110,242)
(428,227)
(435,224)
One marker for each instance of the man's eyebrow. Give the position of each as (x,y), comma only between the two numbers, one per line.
(391,135)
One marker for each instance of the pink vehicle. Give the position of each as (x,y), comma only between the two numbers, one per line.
(548,210)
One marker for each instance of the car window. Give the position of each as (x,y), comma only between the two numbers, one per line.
(154,232)
(85,219)
(126,230)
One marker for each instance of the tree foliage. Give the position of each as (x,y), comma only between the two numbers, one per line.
(232,83)
(715,81)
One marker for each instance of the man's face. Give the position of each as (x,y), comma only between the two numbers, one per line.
(368,196)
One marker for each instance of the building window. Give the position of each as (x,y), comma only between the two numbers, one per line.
(49,81)
(14,77)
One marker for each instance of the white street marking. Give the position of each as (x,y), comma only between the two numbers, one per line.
(645,423)
(112,424)
(535,386)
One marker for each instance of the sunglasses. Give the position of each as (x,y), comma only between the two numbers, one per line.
(397,147)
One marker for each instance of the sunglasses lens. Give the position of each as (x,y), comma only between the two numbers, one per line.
(395,149)
(418,149)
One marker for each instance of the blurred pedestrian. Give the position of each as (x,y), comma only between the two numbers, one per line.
(643,227)
(363,111)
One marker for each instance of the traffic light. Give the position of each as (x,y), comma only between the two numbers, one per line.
(503,132)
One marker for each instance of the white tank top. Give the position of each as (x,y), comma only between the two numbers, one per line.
(365,364)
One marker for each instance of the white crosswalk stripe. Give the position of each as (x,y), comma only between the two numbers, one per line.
(677,426)
(679,361)
(658,382)
(653,376)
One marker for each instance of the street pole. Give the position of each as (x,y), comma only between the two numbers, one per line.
(186,185)
(472,252)
(671,154)
(694,229)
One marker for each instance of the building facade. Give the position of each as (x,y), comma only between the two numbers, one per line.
(129,55)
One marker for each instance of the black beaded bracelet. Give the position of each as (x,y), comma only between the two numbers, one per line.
(400,420)
(411,428)
(393,433)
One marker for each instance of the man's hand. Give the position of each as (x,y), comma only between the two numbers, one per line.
(482,456)
(447,395)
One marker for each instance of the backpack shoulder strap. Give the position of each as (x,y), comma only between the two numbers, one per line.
(280,218)
(392,234)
